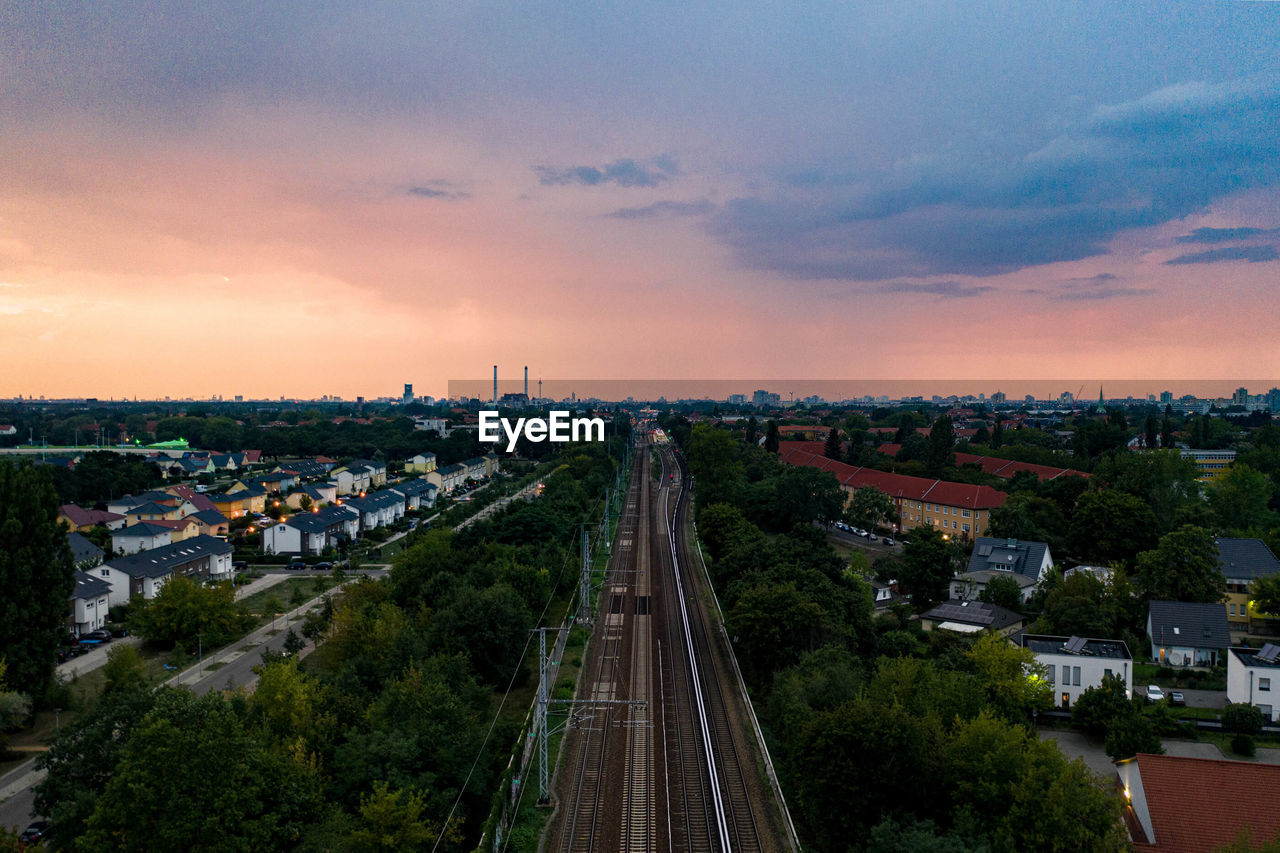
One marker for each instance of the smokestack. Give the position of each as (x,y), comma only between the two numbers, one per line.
(526,382)
(495,383)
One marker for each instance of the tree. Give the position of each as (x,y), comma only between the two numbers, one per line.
(124,669)
(1166,430)
(1015,682)
(1098,707)
(1240,498)
(14,708)
(1004,592)
(772,626)
(1150,432)
(869,508)
(293,643)
(1243,718)
(832,448)
(942,440)
(395,820)
(1111,526)
(1131,734)
(184,609)
(36,574)
(1182,567)
(771,439)
(192,777)
(928,564)
(712,456)
(1264,595)
(753,430)
(1030,518)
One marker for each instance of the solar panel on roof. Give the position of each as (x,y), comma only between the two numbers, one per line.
(1270,652)
(1075,644)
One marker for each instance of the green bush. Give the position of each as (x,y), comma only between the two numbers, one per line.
(1242,718)
(1242,744)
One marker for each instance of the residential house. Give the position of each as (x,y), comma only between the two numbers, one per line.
(958,510)
(417,493)
(1253,677)
(422,463)
(199,502)
(144,536)
(256,494)
(232,505)
(1242,561)
(312,532)
(378,509)
(883,595)
(278,482)
(211,523)
(224,461)
(124,503)
(446,478)
(79,519)
(353,479)
(318,493)
(306,469)
(151,511)
(1185,633)
(1025,562)
(1197,805)
(84,553)
(1074,664)
(183,528)
(440,425)
(90,603)
(143,574)
(972,617)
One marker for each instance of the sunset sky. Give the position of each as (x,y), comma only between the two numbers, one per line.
(336,198)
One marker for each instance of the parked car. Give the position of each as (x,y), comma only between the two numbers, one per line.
(1154,693)
(888,541)
(296,564)
(86,642)
(1176,698)
(34,832)
(104,636)
(239,565)
(324,565)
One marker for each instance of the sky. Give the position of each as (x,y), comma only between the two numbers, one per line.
(337,198)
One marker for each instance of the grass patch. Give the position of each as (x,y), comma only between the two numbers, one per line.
(215,666)
(282,593)
(1171,677)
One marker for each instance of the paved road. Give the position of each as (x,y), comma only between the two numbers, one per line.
(860,542)
(16,795)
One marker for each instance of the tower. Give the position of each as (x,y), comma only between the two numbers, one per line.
(495,383)
(526,382)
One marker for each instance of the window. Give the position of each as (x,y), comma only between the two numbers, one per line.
(1106,673)
(106,573)
(1053,674)
(1264,683)
(965,528)
(1231,608)
(1076,675)
(964,513)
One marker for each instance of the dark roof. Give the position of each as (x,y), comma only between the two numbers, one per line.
(474,462)
(150,508)
(1189,623)
(159,562)
(87,586)
(1245,559)
(375,501)
(318,522)
(1255,657)
(413,487)
(83,551)
(450,469)
(974,613)
(1010,555)
(1084,647)
(209,516)
(142,528)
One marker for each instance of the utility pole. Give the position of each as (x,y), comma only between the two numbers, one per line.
(544,772)
(584,583)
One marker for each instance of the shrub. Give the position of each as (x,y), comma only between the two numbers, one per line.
(1242,718)
(1242,744)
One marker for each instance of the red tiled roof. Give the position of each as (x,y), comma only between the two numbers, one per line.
(252,457)
(900,485)
(1006,468)
(81,517)
(807,446)
(1202,804)
(199,501)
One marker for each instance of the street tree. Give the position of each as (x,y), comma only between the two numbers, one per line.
(1015,682)
(869,508)
(1264,593)
(185,610)
(1182,567)
(36,573)
(124,669)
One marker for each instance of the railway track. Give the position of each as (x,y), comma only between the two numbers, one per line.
(672,772)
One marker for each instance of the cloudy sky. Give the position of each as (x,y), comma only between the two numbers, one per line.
(336,198)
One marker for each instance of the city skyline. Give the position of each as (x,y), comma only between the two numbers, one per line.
(243,200)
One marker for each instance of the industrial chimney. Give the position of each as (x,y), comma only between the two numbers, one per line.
(495,383)
(526,382)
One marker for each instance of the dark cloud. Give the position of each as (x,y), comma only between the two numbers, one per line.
(1252,254)
(664,210)
(1137,164)
(1102,286)
(1225,235)
(945,289)
(437,190)
(625,173)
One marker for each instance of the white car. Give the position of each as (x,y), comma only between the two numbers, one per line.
(1154,693)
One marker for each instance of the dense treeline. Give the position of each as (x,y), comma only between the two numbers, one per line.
(367,744)
(887,738)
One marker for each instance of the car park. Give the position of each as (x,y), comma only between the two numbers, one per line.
(1154,693)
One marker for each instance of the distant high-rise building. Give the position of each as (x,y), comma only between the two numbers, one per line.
(760,398)
(1273,400)
(998,397)
(1166,398)
(239,398)
(408,392)
(737,399)
(1241,397)
(1028,399)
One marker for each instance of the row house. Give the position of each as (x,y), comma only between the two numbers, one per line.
(90,603)
(145,573)
(422,463)
(319,494)
(417,493)
(312,532)
(378,509)
(446,478)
